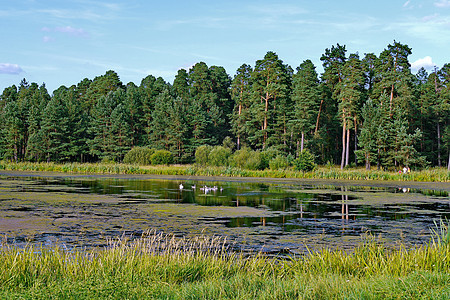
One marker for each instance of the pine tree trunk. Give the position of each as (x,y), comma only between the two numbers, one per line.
(238,136)
(303,142)
(439,143)
(378,159)
(347,147)
(391,99)
(318,117)
(448,166)
(356,142)
(343,146)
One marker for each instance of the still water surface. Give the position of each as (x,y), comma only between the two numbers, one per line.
(272,216)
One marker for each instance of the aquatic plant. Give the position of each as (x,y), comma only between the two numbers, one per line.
(430,175)
(163,266)
(441,233)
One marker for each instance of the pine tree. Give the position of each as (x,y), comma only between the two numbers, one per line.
(333,61)
(78,123)
(101,86)
(54,130)
(178,132)
(149,89)
(241,95)
(349,92)
(270,84)
(160,121)
(101,143)
(442,109)
(367,139)
(394,76)
(133,103)
(305,98)
(121,131)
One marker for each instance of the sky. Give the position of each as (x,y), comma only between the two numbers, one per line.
(62,42)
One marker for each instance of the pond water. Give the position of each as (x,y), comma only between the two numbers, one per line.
(266,215)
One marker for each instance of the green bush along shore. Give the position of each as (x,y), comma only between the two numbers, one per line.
(324,172)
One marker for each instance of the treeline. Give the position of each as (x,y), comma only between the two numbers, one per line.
(367,110)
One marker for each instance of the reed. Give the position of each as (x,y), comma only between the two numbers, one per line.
(163,266)
(335,173)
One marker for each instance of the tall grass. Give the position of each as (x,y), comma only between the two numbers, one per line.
(163,266)
(430,175)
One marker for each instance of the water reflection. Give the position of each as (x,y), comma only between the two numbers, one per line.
(86,211)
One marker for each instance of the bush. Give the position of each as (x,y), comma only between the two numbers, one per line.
(202,155)
(280,162)
(161,157)
(219,156)
(305,161)
(267,155)
(228,143)
(139,155)
(246,159)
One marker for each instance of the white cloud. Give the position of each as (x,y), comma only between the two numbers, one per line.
(406,3)
(12,69)
(430,18)
(69,30)
(442,3)
(425,62)
(47,39)
(72,31)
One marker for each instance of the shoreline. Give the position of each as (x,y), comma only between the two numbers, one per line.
(433,185)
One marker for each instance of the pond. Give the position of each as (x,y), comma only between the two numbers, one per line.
(273,216)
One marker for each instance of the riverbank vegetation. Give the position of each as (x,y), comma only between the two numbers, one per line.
(366,111)
(320,172)
(163,266)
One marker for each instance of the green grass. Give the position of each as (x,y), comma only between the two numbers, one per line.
(427,175)
(160,266)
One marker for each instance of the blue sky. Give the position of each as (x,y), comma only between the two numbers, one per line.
(61,42)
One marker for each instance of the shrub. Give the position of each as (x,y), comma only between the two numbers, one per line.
(161,157)
(228,143)
(219,156)
(280,162)
(305,161)
(246,158)
(267,155)
(202,154)
(139,155)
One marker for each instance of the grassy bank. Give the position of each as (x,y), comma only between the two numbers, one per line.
(163,267)
(428,175)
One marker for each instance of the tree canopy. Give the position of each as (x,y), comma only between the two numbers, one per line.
(370,111)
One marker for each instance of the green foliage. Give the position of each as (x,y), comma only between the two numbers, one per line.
(280,162)
(228,143)
(202,155)
(304,161)
(161,157)
(246,158)
(219,156)
(265,106)
(139,155)
(368,137)
(329,172)
(267,155)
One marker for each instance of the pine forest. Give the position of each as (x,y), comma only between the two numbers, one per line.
(361,111)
